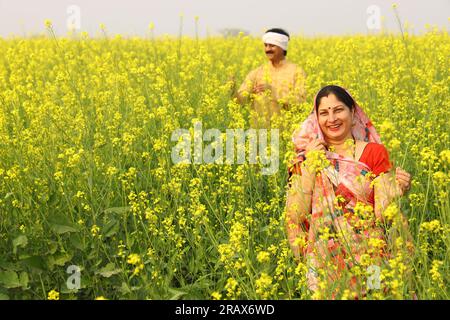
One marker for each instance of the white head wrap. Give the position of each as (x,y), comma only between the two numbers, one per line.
(277,39)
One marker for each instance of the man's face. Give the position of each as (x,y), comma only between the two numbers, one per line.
(273,52)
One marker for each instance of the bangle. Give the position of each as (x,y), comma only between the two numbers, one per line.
(310,192)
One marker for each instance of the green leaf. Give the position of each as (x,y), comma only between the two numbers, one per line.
(92,255)
(97,263)
(23,278)
(52,247)
(124,289)
(9,279)
(117,210)
(60,229)
(111,228)
(52,199)
(61,224)
(130,242)
(176,294)
(9,194)
(35,262)
(20,241)
(108,270)
(60,259)
(76,240)
(9,265)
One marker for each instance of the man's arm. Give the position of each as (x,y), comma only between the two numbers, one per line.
(297,91)
(246,88)
(300,85)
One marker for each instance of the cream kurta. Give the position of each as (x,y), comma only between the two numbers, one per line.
(287,87)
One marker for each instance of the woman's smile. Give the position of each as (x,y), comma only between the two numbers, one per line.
(334,127)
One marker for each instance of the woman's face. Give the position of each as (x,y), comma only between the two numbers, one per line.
(335,118)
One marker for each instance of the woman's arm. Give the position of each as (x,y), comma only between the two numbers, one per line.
(386,189)
(298,206)
(299,197)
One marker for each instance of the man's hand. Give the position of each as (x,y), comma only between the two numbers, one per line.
(259,88)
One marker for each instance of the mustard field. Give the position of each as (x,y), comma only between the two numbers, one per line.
(93,207)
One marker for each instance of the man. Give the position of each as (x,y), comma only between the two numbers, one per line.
(275,85)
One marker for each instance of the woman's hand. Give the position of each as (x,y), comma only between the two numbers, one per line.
(308,180)
(309,177)
(316,144)
(403,180)
(388,187)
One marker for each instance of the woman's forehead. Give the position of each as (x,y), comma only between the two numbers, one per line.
(331,105)
(329,99)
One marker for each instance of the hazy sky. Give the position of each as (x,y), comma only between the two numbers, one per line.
(22,17)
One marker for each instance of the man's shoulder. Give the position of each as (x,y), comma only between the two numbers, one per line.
(293,66)
(297,69)
(290,63)
(256,70)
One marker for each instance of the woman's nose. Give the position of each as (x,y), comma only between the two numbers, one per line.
(331,117)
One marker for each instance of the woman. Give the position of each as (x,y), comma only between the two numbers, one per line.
(339,187)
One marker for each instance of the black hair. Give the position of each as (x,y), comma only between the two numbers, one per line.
(280,31)
(340,93)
